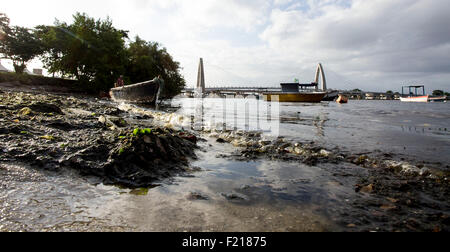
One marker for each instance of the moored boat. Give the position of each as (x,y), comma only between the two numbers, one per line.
(143,93)
(415,99)
(313,97)
(414,96)
(291,93)
(331,95)
(438,99)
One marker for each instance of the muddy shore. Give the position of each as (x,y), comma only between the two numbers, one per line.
(121,145)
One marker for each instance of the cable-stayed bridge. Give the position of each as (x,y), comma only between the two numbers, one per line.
(202,91)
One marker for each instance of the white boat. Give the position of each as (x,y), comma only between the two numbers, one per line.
(415,99)
(414,96)
(438,99)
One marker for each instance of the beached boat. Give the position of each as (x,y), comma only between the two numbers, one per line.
(143,93)
(291,93)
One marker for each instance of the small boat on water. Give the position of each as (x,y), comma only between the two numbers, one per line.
(414,96)
(331,95)
(142,93)
(415,99)
(437,99)
(290,92)
(342,99)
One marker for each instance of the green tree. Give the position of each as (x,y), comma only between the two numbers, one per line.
(4,27)
(148,60)
(19,44)
(389,92)
(438,93)
(92,51)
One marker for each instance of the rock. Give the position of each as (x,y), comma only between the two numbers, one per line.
(46,108)
(324,153)
(102,119)
(361,160)
(196,196)
(25,112)
(388,207)
(234,196)
(112,122)
(298,151)
(147,139)
(392,200)
(366,189)
(190,138)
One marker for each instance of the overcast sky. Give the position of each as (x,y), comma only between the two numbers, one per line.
(374,45)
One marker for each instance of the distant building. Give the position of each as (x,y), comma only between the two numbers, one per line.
(37,71)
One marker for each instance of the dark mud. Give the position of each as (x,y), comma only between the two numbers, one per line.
(94,137)
(394,194)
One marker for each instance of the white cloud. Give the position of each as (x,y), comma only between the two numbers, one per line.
(376,45)
(366,39)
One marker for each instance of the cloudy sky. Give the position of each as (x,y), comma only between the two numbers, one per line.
(374,45)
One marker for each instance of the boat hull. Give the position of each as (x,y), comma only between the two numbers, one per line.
(438,99)
(142,93)
(415,99)
(295,97)
(331,96)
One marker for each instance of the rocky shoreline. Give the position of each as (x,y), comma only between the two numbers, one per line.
(91,136)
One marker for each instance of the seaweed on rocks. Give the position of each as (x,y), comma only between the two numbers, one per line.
(55,132)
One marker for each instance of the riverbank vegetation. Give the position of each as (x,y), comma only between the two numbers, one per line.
(92,52)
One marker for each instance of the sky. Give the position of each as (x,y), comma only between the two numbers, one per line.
(373,45)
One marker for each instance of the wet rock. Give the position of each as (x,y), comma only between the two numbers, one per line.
(364,189)
(220,140)
(196,196)
(25,111)
(62,125)
(42,107)
(112,122)
(234,196)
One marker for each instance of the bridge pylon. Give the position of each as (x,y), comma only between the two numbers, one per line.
(201,86)
(321,73)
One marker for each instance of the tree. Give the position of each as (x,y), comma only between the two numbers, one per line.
(4,27)
(21,46)
(18,44)
(389,92)
(148,60)
(438,93)
(92,51)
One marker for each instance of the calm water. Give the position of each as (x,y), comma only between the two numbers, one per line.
(421,131)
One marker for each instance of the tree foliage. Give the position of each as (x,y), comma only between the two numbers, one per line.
(92,51)
(4,26)
(19,44)
(438,93)
(148,60)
